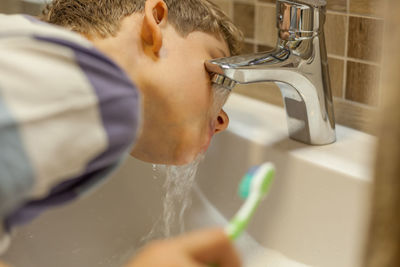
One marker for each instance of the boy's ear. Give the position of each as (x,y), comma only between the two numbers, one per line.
(155,15)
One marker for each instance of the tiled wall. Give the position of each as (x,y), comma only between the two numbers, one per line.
(353,38)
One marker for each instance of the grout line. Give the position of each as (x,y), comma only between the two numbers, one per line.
(333,12)
(380,88)
(376,64)
(346,50)
(381,71)
(230,9)
(256,26)
(356,60)
(232,15)
(382,61)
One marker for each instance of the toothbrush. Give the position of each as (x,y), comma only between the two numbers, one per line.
(253,188)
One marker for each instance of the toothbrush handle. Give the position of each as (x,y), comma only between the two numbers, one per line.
(242,218)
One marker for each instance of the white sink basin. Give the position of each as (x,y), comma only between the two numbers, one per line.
(315,214)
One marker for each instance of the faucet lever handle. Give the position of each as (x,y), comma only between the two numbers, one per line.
(301,19)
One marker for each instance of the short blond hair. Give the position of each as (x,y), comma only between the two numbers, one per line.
(102,18)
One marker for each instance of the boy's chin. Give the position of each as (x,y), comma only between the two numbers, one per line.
(178,160)
(184,158)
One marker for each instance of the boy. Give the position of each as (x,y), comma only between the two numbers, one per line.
(71,106)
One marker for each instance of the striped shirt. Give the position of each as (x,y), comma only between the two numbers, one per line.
(68,115)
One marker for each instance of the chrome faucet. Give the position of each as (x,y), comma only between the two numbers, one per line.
(298,65)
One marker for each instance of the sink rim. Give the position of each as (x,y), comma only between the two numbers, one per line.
(353,153)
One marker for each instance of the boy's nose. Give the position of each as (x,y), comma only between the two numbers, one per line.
(222,121)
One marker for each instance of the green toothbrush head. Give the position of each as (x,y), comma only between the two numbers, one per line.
(257,180)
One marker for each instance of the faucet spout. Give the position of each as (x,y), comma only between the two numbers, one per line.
(298,66)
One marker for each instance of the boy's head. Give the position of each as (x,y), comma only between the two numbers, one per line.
(162,45)
(103,18)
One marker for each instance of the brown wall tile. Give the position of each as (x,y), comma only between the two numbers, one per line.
(31,8)
(337,5)
(264,48)
(267,1)
(367,7)
(248,48)
(365,38)
(355,116)
(9,6)
(224,5)
(336,67)
(266,30)
(362,83)
(335,34)
(243,16)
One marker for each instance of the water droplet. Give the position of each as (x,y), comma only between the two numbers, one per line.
(155,171)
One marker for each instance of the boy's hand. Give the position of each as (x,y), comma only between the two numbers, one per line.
(196,249)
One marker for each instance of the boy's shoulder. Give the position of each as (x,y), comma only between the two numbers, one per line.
(28,26)
(59,95)
(54,51)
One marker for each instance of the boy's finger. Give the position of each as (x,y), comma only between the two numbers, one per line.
(211,246)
